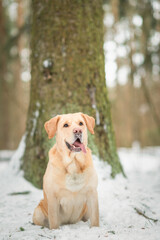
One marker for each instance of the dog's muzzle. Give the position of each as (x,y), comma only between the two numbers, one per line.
(77,145)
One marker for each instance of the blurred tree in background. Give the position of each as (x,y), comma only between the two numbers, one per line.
(132,50)
(14,87)
(67,76)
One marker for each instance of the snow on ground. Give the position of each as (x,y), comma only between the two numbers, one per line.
(118,199)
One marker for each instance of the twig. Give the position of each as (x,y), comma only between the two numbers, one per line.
(143,214)
(44,236)
(19,193)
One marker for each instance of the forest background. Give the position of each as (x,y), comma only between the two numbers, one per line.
(132,67)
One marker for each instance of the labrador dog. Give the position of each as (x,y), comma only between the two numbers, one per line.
(70,181)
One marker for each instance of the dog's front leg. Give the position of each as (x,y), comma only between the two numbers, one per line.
(53,212)
(92,206)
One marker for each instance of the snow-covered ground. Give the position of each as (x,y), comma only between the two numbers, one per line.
(121,201)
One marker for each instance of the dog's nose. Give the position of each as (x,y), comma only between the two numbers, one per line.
(77,130)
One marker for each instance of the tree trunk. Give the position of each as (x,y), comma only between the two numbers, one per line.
(4,103)
(12,100)
(67,76)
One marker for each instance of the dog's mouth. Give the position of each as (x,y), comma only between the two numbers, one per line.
(77,146)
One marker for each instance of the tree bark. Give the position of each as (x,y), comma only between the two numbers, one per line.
(4,103)
(13,99)
(67,76)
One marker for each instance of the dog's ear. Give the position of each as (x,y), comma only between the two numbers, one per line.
(90,122)
(51,126)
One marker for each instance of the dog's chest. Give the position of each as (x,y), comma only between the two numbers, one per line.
(75,181)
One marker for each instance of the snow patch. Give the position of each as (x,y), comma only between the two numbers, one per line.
(97,117)
(36,115)
(15,162)
(118,199)
(105,127)
(6,154)
(47,63)
(138,161)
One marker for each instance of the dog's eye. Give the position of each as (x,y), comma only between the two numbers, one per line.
(66,125)
(80,123)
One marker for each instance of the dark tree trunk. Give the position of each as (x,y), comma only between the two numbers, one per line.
(67,76)
(4,103)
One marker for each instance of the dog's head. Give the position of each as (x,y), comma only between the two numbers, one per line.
(70,130)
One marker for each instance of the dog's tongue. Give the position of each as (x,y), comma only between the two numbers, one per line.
(81,145)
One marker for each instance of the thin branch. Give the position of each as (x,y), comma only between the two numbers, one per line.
(144,215)
(44,236)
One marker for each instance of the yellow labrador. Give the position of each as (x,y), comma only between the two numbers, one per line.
(70,180)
